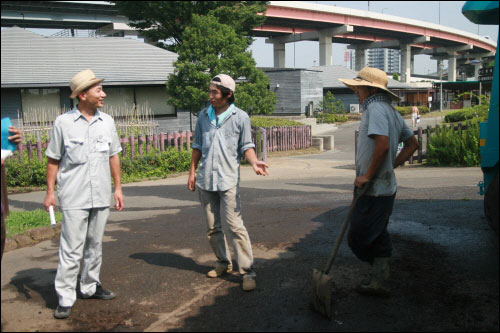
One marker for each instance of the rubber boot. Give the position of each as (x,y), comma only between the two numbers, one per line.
(377,285)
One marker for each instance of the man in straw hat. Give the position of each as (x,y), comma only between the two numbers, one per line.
(381,130)
(82,156)
(222,136)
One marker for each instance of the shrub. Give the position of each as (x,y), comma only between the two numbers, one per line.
(404,110)
(32,172)
(478,111)
(331,105)
(329,118)
(448,147)
(27,172)
(154,165)
(272,122)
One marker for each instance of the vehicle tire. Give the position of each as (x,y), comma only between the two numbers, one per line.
(491,204)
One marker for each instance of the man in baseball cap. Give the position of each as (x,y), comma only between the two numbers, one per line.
(381,130)
(222,136)
(82,154)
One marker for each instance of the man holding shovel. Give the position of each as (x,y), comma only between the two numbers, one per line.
(222,136)
(381,130)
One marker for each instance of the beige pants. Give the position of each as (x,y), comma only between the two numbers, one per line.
(225,205)
(81,237)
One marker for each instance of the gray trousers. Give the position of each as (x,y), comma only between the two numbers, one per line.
(81,236)
(225,205)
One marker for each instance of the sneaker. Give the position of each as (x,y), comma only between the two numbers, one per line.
(220,270)
(249,283)
(62,312)
(101,293)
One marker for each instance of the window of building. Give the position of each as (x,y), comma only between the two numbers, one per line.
(40,104)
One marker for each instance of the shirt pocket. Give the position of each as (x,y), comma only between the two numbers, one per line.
(231,140)
(75,150)
(103,145)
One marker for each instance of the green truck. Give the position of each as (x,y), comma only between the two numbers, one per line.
(486,12)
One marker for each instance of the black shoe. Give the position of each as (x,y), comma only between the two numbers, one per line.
(62,312)
(101,293)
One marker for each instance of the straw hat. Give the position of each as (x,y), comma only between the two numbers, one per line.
(82,81)
(371,77)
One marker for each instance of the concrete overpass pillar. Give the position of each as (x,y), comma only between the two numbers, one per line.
(439,64)
(476,71)
(452,66)
(279,55)
(360,59)
(325,49)
(405,63)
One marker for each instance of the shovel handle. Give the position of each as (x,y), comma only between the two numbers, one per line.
(347,219)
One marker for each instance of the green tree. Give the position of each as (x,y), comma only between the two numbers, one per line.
(167,20)
(210,48)
(331,105)
(395,76)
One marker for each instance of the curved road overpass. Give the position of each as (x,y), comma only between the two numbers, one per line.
(287,22)
(291,21)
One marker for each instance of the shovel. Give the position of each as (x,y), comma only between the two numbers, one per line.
(322,283)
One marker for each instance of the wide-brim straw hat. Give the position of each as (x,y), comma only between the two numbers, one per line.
(371,77)
(82,81)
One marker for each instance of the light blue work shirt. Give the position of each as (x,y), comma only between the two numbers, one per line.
(221,149)
(380,118)
(83,150)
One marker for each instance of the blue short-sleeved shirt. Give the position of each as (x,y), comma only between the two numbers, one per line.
(221,149)
(380,118)
(83,150)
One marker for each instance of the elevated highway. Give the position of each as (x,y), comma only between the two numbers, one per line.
(287,22)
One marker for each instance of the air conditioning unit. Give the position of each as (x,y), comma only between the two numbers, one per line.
(354,108)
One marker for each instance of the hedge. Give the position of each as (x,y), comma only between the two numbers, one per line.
(404,110)
(272,122)
(478,111)
(330,118)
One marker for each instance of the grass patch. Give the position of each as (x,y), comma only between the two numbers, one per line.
(19,221)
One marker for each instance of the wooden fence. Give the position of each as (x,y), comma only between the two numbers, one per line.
(419,133)
(269,139)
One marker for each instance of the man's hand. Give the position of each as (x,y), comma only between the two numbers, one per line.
(192,181)
(260,168)
(360,181)
(119,203)
(17,137)
(50,200)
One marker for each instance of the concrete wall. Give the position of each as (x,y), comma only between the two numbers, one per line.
(288,100)
(297,87)
(311,89)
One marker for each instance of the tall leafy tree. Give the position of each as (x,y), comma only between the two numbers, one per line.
(167,20)
(210,48)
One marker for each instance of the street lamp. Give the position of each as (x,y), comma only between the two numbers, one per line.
(441,86)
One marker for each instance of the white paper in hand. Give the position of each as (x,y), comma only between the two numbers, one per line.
(52,216)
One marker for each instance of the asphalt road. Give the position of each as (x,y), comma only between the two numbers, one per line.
(156,254)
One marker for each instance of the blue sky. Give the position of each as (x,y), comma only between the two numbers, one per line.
(307,53)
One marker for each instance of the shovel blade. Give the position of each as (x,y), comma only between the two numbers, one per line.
(321,294)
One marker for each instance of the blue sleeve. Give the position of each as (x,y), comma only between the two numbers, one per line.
(378,123)
(246,134)
(198,136)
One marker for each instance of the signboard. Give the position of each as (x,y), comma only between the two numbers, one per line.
(486,74)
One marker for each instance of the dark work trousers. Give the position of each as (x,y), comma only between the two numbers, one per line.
(368,236)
